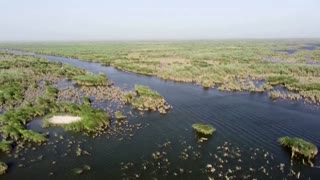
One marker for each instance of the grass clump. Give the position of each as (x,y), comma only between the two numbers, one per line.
(299,147)
(203,128)
(3,168)
(91,79)
(128,97)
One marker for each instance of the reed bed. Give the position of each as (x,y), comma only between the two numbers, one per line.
(209,63)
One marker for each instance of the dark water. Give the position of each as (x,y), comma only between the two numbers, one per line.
(247,121)
(309,47)
(289,51)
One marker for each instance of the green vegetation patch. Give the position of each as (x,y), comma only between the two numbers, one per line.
(145,91)
(91,79)
(203,128)
(282,80)
(299,146)
(13,124)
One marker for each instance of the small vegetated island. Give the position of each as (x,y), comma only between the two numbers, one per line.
(204,129)
(299,147)
(146,99)
(28,90)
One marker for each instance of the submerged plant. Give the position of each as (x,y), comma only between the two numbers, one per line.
(299,147)
(203,128)
(87,167)
(77,171)
(119,115)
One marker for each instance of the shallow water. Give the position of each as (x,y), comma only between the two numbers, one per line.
(243,119)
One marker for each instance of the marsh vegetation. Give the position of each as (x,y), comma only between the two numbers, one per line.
(228,65)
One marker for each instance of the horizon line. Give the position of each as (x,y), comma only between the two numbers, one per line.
(158,40)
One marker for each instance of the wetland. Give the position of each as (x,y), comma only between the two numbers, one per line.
(136,117)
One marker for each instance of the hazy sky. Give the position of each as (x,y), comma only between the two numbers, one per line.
(23,20)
